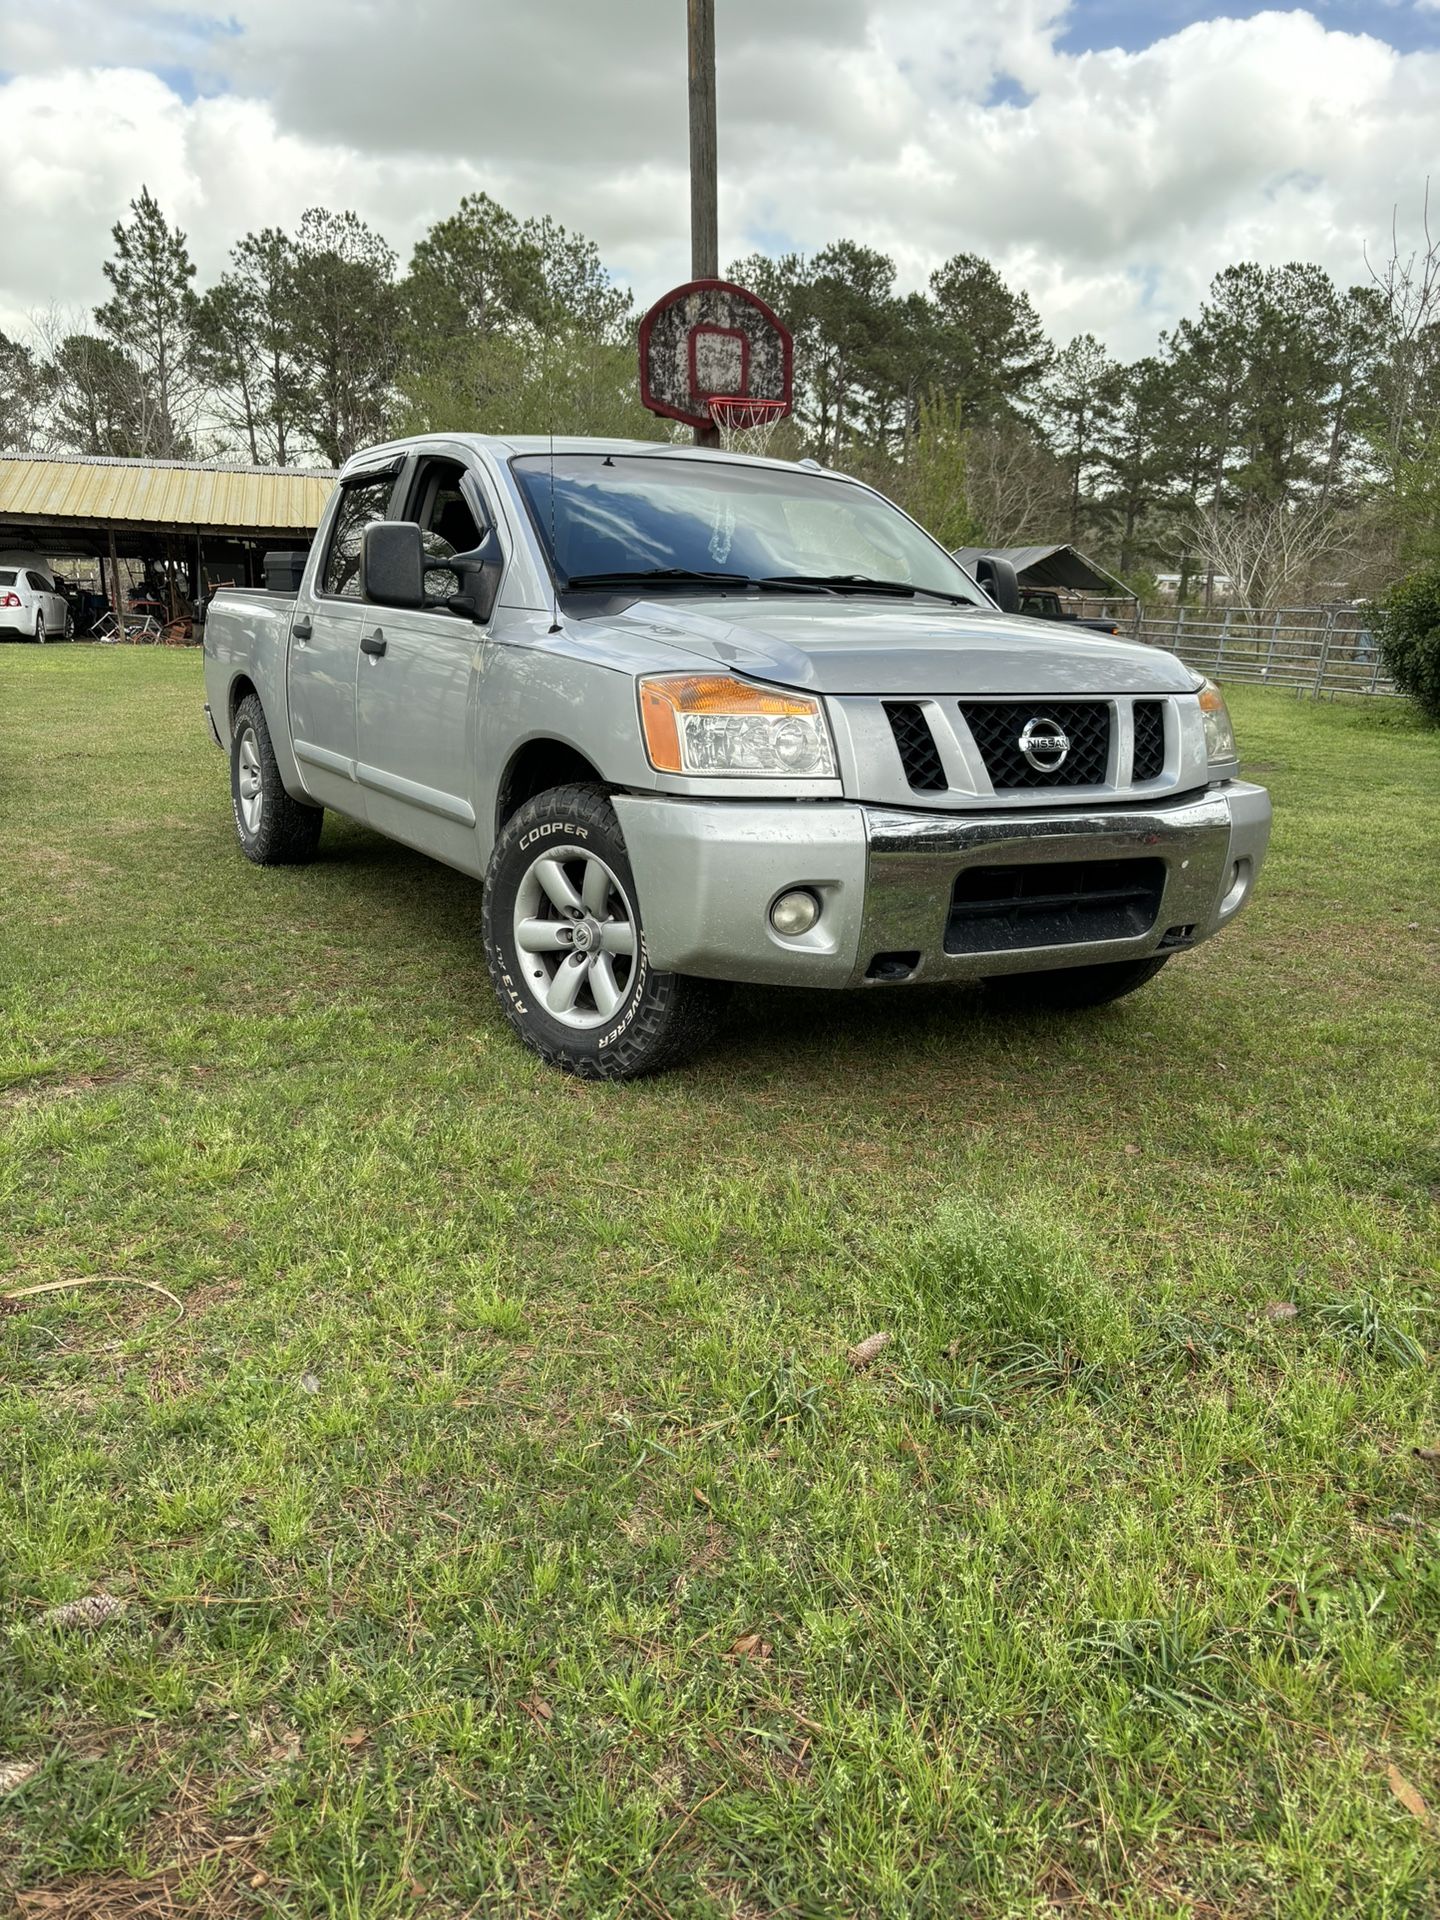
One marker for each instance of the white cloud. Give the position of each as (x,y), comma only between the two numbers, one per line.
(1127,181)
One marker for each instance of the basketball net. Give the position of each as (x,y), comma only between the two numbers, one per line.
(746,425)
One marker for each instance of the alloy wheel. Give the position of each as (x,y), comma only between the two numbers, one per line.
(576,936)
(249,781)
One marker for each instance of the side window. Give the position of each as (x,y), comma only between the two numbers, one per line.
(446,522)
(38,582)
(360,503)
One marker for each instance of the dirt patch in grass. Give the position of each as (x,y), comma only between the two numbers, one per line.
(36,1090)
(212,1871)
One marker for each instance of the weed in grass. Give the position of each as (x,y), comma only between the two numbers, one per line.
(1362,1322)
(1007,1284)
(960,1403)
(1170,1338)
(784,1397)
(1171,1666)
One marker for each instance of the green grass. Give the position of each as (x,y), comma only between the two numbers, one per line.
(505,1411)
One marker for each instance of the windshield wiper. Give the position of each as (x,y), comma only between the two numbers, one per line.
(649,576)
(858,583)
(772,582)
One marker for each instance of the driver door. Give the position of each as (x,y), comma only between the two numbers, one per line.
(415,695)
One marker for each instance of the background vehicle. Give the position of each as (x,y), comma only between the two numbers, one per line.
(1038,603)
(699,718)
(1043,581)
(33,605)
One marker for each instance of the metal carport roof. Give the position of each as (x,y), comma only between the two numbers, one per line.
(77,494)
(1062,567)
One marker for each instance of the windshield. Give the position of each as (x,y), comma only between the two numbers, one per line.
(620,518)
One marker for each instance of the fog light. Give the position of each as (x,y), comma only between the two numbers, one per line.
(794,913)
(1238,888)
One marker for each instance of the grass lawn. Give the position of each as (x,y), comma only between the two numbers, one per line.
(501,1529)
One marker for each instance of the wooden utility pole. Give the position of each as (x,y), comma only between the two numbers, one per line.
(704,172)
(116,602)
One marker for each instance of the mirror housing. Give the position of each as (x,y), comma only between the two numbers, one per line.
(1000,581)
(479,570)
(392,564)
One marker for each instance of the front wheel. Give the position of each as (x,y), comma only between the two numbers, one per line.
(566,948)
(1069,989)
(274,829)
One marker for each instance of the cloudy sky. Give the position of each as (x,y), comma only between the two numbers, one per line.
(1109,155)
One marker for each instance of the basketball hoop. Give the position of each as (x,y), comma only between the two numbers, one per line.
(745,424)
(713,354)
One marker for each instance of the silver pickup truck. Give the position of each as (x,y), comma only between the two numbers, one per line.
(697,718)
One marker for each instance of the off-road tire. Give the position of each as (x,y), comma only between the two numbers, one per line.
(286,832)
(1071,989)
(662,1017)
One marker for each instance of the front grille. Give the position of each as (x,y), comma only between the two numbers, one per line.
(918,754)
(997,726)
(1149,739)
(1057,903)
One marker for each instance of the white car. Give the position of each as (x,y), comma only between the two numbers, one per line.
(32,605)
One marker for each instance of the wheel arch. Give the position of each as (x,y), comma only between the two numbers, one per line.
(241,687)
(536,766)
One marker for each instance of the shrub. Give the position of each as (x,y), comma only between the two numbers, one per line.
(1409,632)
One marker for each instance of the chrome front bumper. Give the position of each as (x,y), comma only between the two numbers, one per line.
(707,871)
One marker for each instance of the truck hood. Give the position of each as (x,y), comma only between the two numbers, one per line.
(914,647)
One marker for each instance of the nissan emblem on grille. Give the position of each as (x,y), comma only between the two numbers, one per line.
(1044,745)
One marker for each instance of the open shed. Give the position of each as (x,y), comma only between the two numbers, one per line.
(1058,569)
(190,525)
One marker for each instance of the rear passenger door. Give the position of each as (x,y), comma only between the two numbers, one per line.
(414,703)
(325,647)
(49,603)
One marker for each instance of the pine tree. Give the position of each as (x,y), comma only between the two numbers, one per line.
(247,325)
(347,331)
(1079,397)
(150,319)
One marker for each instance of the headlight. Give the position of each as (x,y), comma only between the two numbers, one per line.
(1219,734)
(708,724)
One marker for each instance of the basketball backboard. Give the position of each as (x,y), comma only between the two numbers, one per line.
(711,340)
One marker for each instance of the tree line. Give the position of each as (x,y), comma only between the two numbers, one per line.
(1283,440)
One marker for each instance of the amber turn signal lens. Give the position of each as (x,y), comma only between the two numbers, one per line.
(671,705)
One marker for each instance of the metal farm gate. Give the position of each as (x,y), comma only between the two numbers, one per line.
(1319,651)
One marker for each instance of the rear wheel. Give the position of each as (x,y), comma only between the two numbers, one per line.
(1069,989)
(39,629)
(566,948)
(274,829)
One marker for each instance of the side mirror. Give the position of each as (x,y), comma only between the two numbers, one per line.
(392,564)
(479,570)
(1000,581)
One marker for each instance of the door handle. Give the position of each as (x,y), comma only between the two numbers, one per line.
(373,644)
(302,628)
